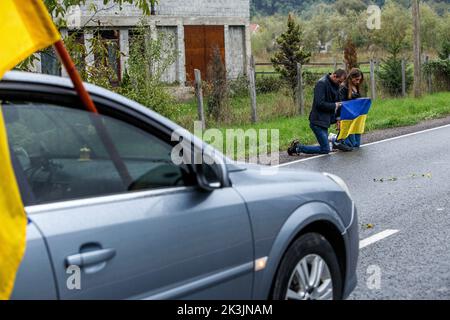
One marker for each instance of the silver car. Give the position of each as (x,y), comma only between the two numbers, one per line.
(132,224)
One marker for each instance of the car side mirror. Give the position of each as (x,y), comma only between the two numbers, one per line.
(209,177)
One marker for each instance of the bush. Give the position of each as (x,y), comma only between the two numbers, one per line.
(440,70)
(268,84)
(311,78)
(148,60)
(218,91)
(239,87)
(390,75)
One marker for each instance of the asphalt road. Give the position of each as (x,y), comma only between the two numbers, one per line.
(401,184)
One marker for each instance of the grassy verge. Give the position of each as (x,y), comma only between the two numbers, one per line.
(384,114)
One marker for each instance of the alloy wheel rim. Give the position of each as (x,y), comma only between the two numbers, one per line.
(310,280)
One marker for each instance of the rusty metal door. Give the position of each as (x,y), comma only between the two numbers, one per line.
(200,42)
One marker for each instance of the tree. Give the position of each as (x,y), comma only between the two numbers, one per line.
(444,38)
(291,51)
(429,27)
(395,33)
(218,90)
(342,6)
(350,55)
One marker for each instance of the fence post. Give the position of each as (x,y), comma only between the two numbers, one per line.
(300,96)
(335,64)
(199,94)
(373,88)
(252,88)
(403,77)
(429,84)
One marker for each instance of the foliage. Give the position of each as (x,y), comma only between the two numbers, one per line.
(149,58)
(218,89)
(239,87)
(396,29)
(390,75)
(268,84)
(350,55)
(271,7)
(444,38)
(291,52)
(440,70)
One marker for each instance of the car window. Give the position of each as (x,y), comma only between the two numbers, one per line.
(63,157)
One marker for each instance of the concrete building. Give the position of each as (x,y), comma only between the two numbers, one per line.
(196,25)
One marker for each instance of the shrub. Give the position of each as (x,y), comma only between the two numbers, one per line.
(390,76)
(239,87)
(311,78)
(218,91)
(440,70)
(268,84)
(148,60)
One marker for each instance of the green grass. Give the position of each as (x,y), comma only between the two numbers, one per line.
(388,113)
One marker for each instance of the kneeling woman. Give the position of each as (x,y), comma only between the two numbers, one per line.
(351,89)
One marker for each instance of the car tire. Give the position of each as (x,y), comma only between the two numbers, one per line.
(300,267)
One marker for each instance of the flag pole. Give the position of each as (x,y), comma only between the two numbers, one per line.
(86,99)
(66,60)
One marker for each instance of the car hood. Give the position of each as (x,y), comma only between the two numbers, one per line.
(244,173)
(285,189)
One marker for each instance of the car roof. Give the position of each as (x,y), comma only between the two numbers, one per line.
(63,82)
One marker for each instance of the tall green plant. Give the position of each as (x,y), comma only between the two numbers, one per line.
(290,52)
(218,88)
(390,75)
(150,56)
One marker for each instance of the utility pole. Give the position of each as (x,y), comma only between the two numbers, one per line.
(417,46)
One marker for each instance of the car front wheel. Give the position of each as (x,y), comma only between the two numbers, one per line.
(309,271)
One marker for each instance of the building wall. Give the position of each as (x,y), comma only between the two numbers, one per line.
(236,51)
(171,17)
(169,46)
(192,8)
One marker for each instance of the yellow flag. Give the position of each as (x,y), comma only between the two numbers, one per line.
(13,221)
(25,27)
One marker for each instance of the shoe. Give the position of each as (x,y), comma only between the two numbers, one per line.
(292,150)
(342,146)
(332,137)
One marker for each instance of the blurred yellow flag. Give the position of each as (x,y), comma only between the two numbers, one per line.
(13,221)
(25,27)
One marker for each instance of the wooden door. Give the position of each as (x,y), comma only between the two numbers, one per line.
(200,42)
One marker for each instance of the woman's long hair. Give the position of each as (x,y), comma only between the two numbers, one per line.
(354,73)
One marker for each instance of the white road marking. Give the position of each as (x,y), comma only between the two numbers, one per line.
(375,238)
(366,145)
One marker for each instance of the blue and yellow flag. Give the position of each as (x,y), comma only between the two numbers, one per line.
(353,117)
(25,28)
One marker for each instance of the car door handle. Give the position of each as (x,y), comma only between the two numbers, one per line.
(90,258)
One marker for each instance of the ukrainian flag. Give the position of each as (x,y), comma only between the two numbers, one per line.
(25,27)
(353,117)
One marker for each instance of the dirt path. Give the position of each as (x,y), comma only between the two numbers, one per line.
(382,135)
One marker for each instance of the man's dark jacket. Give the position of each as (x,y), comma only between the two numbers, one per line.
(326,94)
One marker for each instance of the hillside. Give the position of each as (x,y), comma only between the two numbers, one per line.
(271,7)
